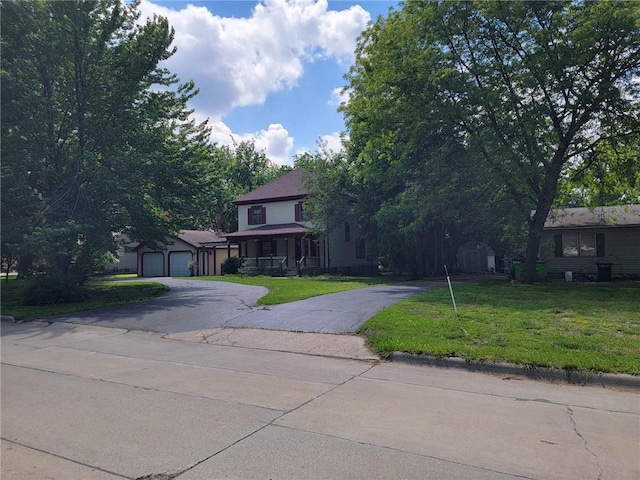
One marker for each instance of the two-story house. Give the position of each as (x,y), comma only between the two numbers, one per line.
(273,232)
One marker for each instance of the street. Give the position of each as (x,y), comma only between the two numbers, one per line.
(81,401)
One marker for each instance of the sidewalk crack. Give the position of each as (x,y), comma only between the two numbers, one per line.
(584,440)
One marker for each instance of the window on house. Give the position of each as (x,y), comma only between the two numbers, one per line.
(579,245)
(360,252)
(257,215)
(128,249)
(347,232)
(300,213)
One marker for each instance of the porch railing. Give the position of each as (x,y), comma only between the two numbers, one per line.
(264,263)
(307,262)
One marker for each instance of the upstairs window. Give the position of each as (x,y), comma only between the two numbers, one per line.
(347,232)
(572,245)
(300,213)
(257,215)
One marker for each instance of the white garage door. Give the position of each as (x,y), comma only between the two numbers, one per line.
(152,264)
(179,264)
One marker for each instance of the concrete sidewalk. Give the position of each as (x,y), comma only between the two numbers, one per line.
(83,402)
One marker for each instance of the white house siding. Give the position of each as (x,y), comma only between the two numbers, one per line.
(127,258)
(342,254)
(277,213)
(621,248)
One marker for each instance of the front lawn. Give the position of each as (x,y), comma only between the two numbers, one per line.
(290,289)
(101,294)
(589,327)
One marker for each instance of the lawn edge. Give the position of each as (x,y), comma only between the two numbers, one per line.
(570,376)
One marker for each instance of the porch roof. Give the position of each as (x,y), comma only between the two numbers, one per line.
(282,230)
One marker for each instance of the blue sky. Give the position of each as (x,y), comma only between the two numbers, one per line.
(268,70)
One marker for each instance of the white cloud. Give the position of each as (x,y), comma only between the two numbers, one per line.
(339,96)
(275,141)
(240,61)
(332,142)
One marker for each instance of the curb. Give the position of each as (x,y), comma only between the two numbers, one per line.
(532,372)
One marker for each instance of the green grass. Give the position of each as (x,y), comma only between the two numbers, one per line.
(290,289)
(102,293)
(587,327)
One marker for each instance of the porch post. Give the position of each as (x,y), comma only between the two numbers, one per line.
(257,251)
(286,249)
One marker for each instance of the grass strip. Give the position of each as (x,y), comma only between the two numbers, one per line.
(290,289)
(101,294)
(587,327)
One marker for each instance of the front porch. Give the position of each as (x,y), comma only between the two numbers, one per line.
(279,250)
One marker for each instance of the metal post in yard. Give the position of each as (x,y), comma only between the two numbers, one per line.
(455,308)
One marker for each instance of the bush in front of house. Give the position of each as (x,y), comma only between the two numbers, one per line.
(231,265)
(273,272)
(51,289)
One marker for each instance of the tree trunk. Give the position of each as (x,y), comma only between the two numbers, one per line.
(536,224)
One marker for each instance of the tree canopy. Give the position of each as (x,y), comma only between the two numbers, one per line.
(475,113)
(96,137)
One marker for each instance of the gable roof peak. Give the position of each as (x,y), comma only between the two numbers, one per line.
(290,186)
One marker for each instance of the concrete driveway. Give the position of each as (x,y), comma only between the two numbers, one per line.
(200,305)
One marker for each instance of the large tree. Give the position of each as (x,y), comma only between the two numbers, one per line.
(227,173)
(96,137)
(521,92)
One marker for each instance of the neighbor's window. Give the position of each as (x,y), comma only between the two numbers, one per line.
(257,215)
(580,245)
(360,253)
(347,232)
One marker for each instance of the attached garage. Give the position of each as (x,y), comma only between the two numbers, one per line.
(152,264)
(179,264)
(204,250)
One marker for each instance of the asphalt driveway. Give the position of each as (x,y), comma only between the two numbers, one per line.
(198,305)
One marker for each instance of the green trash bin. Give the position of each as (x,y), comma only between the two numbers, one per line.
(539,276)
(541,272)
(518,269)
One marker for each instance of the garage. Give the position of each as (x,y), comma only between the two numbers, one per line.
(153,264)
(179,264)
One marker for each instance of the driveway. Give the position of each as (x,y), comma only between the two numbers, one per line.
(199,305)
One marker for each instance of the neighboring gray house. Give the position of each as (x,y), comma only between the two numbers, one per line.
(192,252)
(274,232)
(578,239)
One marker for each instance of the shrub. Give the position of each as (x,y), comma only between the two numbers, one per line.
(231,265)
(50,289)
(273,271)
(312,271)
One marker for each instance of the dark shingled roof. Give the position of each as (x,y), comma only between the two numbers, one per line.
(198,238)
(582,217)
(290,186)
